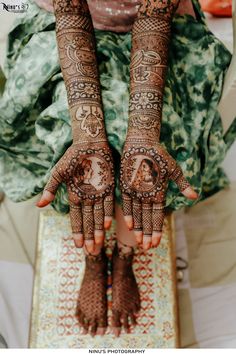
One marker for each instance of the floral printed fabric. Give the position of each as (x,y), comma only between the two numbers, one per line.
(34,117)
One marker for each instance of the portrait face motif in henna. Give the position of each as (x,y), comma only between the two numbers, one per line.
(146,166)
(143,173)
(87,166)
(91,176)
(88,174)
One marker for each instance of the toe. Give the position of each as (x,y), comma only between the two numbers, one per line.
(137,308)
(101,331)
(83,323)
(133,319)
(93,329)
(116,323)
(116,331)
(125,322)
(84,331)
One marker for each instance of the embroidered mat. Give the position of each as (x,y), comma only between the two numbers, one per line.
(59,272)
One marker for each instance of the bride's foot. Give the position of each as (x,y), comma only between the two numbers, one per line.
(92,303)
(125,293)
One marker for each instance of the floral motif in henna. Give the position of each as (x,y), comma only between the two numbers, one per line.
(91,118)
(150,39)
(86,167)
(145,173)
(146,167)
(77,51)
(162,8)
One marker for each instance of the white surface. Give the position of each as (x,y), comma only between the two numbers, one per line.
(229,164)
(214,316)
(15,302)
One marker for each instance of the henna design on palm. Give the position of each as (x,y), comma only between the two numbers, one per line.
(145,173)
(89,177)
(146,166)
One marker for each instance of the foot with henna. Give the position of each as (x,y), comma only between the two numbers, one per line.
(125,293)
(92,302)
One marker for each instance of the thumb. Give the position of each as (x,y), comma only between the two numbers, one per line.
(50,189)
(184,186)
(47,198)
(190,193)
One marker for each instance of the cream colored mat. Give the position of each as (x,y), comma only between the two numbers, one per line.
(206,237)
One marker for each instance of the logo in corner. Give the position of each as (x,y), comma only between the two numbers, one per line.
(15,8)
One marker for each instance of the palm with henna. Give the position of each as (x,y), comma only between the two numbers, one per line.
(88,174)
(146,166)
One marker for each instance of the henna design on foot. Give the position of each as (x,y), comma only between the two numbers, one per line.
(92,302)
(125,293)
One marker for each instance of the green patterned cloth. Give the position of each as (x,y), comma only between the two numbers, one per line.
(34,118)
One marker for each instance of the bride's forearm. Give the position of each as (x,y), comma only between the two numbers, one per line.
(149,57)
(77,53)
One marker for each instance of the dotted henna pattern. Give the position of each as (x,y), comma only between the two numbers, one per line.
(77,53)
(89,175)
(143,173)
(162,8)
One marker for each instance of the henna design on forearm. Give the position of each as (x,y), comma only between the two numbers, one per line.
(161,8)
(150,43)
(146,167)
(87,166)
(77,52)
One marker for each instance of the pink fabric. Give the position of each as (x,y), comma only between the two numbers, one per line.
(113,15)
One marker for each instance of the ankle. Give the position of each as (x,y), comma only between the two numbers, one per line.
(95,253)
(124,251)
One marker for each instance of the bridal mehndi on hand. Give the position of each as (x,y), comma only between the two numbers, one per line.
(87,166)
(146,167)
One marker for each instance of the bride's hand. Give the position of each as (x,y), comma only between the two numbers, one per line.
(145,173)
(89,177)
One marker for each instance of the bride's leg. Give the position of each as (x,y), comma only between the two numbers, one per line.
(92,302)
(125,294)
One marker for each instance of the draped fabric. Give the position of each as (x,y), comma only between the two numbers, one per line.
(35,125)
